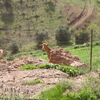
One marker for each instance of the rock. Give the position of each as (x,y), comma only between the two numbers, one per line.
(27,60)
(60,56)
(15,64)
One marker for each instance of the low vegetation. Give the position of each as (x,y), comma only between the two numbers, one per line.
(37,81)
(62,91)
(71,71)
(56,91)
(25,25)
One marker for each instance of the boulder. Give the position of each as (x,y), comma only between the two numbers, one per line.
(63,57)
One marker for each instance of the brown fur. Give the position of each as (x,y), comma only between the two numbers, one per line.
(46,48)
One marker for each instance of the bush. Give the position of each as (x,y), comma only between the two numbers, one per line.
(81,38)
(41,35)
(49,6)
(13,46)
(63,35)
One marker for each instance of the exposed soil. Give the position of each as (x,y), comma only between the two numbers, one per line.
(14,80)
(85,14)
(11,80)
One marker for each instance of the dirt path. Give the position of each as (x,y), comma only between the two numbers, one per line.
(86,13)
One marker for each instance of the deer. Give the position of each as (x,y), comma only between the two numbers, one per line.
(46,48)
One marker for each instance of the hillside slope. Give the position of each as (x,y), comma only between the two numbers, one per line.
(84,15)
(19,19)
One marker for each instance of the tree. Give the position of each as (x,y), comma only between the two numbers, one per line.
(81,38)
(41,35)
(63,35)
(13,46)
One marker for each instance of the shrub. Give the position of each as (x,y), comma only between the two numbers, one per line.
(63,35)
(41,35)
(13,46)
(49,6)
(81,38)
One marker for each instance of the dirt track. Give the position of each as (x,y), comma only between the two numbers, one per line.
(85,14)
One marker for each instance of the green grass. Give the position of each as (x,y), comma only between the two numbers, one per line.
(56,91)
(71,71)
(90,91)
(84,54)
(63,91)
(37,81)
(28,67)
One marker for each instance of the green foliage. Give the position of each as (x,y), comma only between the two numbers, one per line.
(94,84)
(63,35)
(41,35)
(37,81)
(27,67)
(71,71)
(8,18)
(84,53)
(83,94)
(55,92)
(97,43)
(82,71)
(87,94)
(90,91)
(8,15)
(81,38)
(1,41)
(49,6)
(13,46)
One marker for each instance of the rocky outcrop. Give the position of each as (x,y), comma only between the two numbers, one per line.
(60,56)
(27,60)
(15,64)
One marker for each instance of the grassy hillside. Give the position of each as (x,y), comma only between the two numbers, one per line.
(19,19)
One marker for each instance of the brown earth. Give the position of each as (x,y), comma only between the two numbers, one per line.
(12,82)
(11,78)
(15,64)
